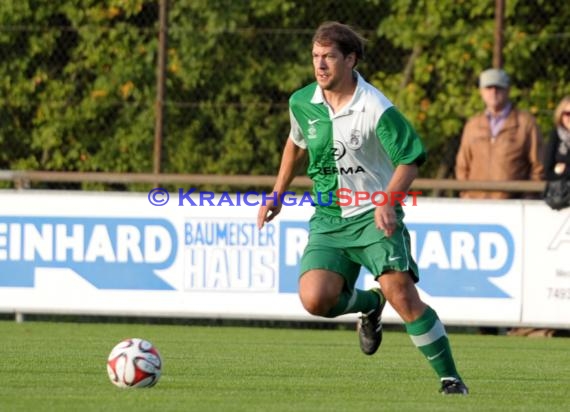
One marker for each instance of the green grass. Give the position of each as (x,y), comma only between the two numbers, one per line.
(51,366)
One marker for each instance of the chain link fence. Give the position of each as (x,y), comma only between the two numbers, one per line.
(81,84)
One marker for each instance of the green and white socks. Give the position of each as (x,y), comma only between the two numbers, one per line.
(428,334)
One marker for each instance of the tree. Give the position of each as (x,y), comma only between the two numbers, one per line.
(449,43)
(79,76)
(79,85)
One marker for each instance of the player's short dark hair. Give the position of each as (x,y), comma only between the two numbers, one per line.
(343,36)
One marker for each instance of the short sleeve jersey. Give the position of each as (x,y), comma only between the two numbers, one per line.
(354,150)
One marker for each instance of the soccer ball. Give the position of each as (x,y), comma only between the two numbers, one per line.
(134,363)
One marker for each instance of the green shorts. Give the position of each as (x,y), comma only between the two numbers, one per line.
(343,245)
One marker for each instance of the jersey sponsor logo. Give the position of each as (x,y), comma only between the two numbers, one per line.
(338,150)
(333,170)
(312,122)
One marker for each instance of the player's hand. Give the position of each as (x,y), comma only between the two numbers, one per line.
(267,212)
(385,219)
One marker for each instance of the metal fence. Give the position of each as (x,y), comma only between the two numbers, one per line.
(202,86)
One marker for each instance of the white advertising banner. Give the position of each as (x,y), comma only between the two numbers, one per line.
(191,254)
(547,267)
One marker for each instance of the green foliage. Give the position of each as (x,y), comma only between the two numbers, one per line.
(78,99)
(233,70)
(447,44)
(78,77)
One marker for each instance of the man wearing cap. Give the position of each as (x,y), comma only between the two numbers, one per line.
(502,143)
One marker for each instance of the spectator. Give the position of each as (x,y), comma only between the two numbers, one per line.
(557,151)
(557,159)
(502,143)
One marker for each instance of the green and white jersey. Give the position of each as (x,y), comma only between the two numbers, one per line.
(355,149)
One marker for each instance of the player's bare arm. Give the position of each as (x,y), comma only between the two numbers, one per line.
(291,161)
(385,215)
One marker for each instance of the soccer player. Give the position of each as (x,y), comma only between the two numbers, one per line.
(355,138)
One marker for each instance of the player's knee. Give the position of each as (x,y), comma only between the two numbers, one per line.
(319,291)
(315,303)
(408,305)
(315,308)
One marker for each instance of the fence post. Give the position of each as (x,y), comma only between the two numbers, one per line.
(499,27)
(160,85)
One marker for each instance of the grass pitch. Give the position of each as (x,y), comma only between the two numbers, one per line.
(47,366)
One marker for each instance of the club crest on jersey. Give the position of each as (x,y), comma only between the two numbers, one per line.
(355,140)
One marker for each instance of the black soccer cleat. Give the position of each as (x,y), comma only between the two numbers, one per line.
(370,327)
(453,387)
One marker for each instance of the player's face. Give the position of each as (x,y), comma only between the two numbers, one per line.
(332,69)
(495,98)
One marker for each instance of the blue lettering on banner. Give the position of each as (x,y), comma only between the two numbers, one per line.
(293,238)
(229,256)
(455,260)
(458,260)
(109,253)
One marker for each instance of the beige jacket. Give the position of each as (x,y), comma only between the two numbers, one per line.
(514,154)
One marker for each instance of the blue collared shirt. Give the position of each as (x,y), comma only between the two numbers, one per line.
(496,122)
